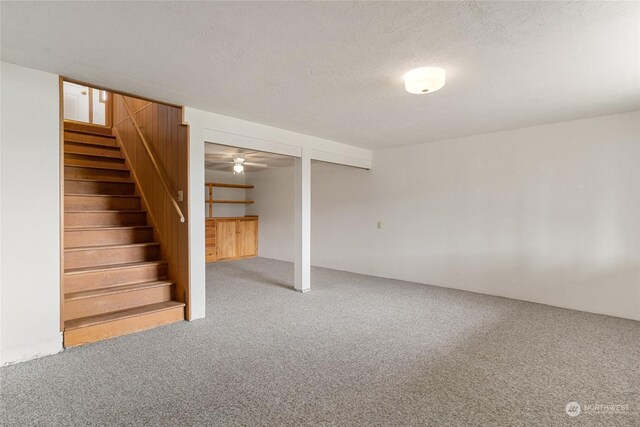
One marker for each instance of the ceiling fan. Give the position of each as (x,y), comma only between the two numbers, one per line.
(239,161)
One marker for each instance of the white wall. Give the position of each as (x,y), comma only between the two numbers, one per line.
(273,196)
(549,214)
(30,214)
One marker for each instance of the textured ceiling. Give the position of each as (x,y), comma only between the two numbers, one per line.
(334,69)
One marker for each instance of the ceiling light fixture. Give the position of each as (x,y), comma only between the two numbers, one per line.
(238,165)
(424,80)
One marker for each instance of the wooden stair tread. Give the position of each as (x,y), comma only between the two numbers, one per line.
(98,247)
(87,128)
(97,172)
(100,146)
(85,160)
(113,156)
(105,210)
(95,156)
(100,195)
(94,167)
(97,180)
(119,315)
(117,289)
(106,141)
(112,267)
(83,132)
(108,227)
(99,227)
(75,144)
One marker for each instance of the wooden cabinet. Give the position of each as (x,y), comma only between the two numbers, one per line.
(226,242)
(233,238)
(246,238)
(229,238)
(210,254)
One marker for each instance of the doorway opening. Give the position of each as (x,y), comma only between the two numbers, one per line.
(243,191)
(86,104)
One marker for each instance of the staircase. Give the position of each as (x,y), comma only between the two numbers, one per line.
(115,281)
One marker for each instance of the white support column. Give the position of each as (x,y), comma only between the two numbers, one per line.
(197,269)
(302,275)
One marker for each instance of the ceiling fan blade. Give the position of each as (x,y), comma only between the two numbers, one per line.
(259,159)
(220,161)
(258,165)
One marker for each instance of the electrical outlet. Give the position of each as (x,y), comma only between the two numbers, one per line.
(180,195)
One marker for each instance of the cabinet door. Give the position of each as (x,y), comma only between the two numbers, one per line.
(247,237)
(226,238)
(211,254)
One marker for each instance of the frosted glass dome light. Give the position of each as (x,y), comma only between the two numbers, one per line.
(238,164)
(424,80)
(238,168)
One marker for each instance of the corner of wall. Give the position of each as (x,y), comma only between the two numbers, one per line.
(31,350)
(30,297)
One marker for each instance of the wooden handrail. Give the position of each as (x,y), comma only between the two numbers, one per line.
(153,159)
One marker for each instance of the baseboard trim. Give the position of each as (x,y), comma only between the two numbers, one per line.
(30,351)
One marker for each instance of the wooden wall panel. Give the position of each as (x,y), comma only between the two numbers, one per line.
(167,137)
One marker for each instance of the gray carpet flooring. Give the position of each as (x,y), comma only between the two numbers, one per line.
(356,350)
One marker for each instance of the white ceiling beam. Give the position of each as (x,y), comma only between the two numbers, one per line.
(225,130)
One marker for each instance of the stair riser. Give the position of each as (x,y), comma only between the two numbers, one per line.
(75,238)
(92,150)
(102,279)
(104,219)
(98,187)
(81,172)
(91,139)
(84,307)
(87,128)
(117,328)
(84,160)
(101,203)
(110,256)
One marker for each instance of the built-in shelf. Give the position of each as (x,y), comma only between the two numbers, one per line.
(222,184)
(210,201)
(246,202)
